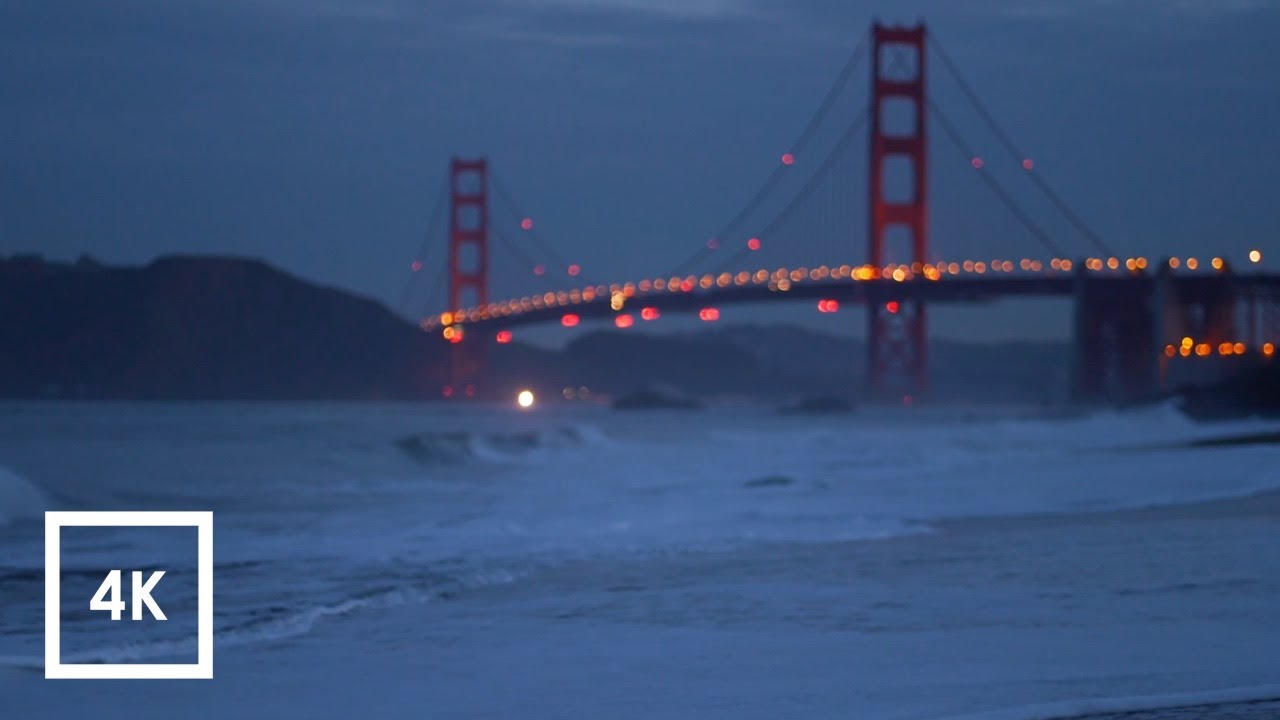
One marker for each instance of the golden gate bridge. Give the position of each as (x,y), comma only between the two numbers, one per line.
(1133,316)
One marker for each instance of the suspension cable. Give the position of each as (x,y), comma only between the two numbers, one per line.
(423,252)
(798,147)
(1009,202)
(514,209)
(439,283)
(803,194)
(1018,156)
(523,257)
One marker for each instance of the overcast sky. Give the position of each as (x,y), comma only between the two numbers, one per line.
(314,133)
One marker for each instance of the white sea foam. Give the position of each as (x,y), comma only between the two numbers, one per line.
(291,624)
(457,447)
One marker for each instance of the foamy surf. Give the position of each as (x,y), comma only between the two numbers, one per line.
(284,625)
(288,625)
(463,447)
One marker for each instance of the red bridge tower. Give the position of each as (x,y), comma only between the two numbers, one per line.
(468,264)
(897,362)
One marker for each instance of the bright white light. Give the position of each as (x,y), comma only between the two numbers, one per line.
(525,399)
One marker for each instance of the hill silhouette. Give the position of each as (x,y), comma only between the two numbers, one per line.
(200,327)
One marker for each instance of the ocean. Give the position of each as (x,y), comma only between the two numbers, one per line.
(422,561)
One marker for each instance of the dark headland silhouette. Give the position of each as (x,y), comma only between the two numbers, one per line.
(198,327)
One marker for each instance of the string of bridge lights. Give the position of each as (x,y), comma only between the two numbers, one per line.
(1189,347)
(782,279)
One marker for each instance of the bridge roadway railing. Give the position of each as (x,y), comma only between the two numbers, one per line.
(1124,323)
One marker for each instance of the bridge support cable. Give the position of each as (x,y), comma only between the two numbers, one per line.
(521,255)
(797,148)
(555,259)
(429,242)
(823,169)
(436,293)
(1018,156)
(1005,198)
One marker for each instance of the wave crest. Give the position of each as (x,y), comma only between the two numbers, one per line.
(463,447)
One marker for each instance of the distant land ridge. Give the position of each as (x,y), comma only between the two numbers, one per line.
(200,327)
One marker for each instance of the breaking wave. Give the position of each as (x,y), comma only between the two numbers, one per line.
(276,624)
(463,447)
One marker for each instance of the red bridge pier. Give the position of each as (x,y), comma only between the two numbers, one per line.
(1123,325)
(1113,347)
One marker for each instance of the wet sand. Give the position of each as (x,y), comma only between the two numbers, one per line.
(1264,710)
(989,614)
(1261,508)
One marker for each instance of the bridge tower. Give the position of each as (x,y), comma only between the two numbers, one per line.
(897,362)
(468,264)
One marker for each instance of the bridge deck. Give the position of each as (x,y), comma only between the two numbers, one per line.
(846,291)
